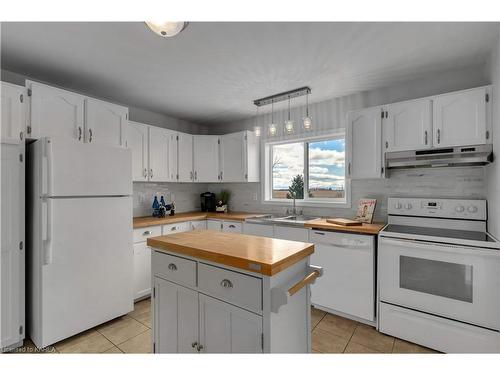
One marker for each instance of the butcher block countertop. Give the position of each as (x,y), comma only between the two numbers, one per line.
(146,221)
(363,229)
(266,256)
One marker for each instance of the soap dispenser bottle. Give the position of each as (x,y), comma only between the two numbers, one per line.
(156,206)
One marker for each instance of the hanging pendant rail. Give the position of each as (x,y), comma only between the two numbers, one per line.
(282,96)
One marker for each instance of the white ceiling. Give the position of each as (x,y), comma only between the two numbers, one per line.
(211,72)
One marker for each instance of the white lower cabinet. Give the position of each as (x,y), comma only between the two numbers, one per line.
(198,225)
(291,233)
(176,228)
(232,226)
(142,270)
(175,315)
(225,328)
(214,225)
(348,282)
(262,230)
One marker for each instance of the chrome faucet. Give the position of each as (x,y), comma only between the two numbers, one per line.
(294,209)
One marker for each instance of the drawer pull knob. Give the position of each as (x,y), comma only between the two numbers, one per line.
(172,267)
(147,233)
(226,283)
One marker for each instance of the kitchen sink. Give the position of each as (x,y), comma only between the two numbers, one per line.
(290,220)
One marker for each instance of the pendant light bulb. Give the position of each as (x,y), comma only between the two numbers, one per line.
(272,126)
(307,121)
(256,128)
(289,123)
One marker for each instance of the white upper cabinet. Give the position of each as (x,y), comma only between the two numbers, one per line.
(105,122)
(460,118)
(55,113)
(239,157)
(407,125)
(185,157)
(364,139)
(162,154)
(206,158)
(13,111)
(137,141)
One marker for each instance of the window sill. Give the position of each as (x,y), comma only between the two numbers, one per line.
(316,204)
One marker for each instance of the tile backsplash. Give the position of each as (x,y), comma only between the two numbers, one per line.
(438,183)
(185,195)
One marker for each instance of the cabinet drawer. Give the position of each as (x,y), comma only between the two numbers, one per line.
(234,287)
(198,225)
(142,234)
(175,228)
(174,268)
(232,226)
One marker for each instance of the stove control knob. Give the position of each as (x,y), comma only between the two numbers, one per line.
(460,208)
(408,206)
(472,209)
(399,206)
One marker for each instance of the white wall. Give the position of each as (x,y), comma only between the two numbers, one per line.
(445,183)
(493,170)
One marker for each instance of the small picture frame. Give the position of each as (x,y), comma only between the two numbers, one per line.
(366,208)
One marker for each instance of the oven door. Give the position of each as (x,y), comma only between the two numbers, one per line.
(452,281)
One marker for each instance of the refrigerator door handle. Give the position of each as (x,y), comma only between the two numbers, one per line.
(46,231)
(47,169)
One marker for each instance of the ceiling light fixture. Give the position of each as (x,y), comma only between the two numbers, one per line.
(289,123)
(272,126)
(166,29)
(307,122)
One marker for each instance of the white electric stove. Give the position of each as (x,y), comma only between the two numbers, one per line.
(439,275)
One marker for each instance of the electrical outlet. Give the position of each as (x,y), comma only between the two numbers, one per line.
(254,196)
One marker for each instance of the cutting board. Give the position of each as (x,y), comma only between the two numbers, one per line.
(344,222)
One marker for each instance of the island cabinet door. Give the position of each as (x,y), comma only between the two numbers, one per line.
(225,328)
(175,318)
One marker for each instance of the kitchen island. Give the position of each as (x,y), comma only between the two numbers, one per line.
(216,292)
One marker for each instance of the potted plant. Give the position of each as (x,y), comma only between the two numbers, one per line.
(222,200)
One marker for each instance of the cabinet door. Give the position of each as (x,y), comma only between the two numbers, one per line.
(364,138)
(175,318)
(162,145)
(198,225)
(142,270)
(11,258)
(337,289)
(56,113)
(407,126)
(214,225)
(460,118)
(232,227)
(13,110)
(225,328)
(261,230)
(105,122)
(137,141)
(292,234)
(206,158)
(185,155)
(233,163)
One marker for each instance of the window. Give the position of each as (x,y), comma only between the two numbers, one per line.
(312,170)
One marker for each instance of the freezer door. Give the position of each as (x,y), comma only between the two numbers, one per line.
(86,264)
(71,168)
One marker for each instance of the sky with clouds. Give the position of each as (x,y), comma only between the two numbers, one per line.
(326,164)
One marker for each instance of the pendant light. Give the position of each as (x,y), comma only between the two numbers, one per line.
(272,126)
(256,128)
(289,123)
(307,122)
(166,29)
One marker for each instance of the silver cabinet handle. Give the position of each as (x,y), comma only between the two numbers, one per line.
(349,169)
(321,233)
(79,133)
(191,175)
(386,144)
(425,137)
(221,175)
(147,233)
(90,135)
(145,172)
(172,267)
(195,175)
(232,226)
(200,347)
(151,172)
(226,283)
(194,344)
(439,135)
(173,228)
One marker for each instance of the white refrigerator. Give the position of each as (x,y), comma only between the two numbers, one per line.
(80,251)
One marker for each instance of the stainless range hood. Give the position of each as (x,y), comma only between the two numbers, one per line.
(439,157)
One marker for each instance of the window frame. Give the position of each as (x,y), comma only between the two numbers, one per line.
(266,192)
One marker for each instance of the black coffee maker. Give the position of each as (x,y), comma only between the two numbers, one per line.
(207,202)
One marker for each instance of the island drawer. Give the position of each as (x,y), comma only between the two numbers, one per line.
(176,228)
(234,287)
(142,234)
(176,269)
